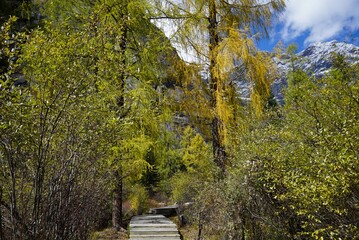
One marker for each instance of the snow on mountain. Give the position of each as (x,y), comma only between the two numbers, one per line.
(315,59)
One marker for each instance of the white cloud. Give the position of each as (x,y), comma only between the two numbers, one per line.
(321,19)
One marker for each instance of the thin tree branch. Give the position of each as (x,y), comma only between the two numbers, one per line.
(247,6)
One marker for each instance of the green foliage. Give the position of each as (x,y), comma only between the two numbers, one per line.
(19,8)
(220,36)
(294,170)
(64,133)
(307,162)
(198,167)
(54,140)
(168,156)
(185,187)
(96,113)
(292,49)
(196,155)
(138,198)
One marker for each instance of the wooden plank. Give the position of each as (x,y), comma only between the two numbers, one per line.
(153,227)
(167,211)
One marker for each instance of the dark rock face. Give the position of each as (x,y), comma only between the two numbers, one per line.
(308,51)
(316,58)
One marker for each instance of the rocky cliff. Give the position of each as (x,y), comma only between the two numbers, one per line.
(315,59)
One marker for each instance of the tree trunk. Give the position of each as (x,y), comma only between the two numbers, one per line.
(1,228)
(200,226)
(13,204)
(219,152)
(38,185)
(120,101)
(243,233)
(117,201)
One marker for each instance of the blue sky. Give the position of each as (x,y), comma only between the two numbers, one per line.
(307,21)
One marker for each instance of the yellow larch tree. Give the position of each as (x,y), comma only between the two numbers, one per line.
(220,36)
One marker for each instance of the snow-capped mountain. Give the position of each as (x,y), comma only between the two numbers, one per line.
(315,59)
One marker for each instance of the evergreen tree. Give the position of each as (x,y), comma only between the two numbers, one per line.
(221,33)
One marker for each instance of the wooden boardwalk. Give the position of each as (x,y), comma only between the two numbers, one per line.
(159,227)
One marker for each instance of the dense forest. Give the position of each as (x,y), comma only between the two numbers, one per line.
(100,118)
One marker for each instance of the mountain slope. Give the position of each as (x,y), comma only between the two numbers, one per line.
(315,59)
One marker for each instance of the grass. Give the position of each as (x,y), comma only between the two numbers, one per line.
(110,234)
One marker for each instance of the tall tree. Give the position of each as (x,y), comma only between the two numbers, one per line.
(220,34)
(128,54)
(44,149)
(91,106)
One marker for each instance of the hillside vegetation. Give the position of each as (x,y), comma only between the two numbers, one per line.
(101,119)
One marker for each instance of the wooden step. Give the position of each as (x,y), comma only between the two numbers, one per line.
(153,231)
(155,237)
(150,225)
(153,227)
